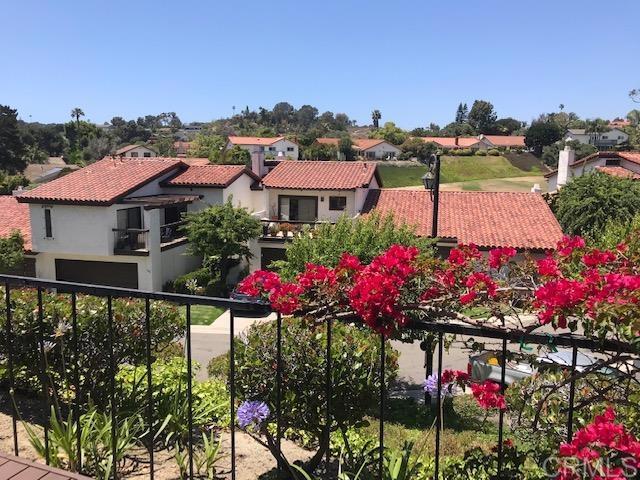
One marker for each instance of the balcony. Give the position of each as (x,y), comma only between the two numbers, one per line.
(285,230)
(171,235)
(130,241)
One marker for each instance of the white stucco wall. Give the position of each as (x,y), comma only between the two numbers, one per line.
(141,150)
(175,262)
(279,146)
(382,151)
(241,192)
(323,202)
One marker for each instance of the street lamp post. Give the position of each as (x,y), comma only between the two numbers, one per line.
(431,181)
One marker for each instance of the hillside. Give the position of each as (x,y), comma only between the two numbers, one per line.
(457,169)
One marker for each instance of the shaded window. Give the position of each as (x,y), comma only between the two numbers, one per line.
(303,209)
(289,149)
(134,154)
(337,203)
(48,227)
(146,154)
(129,218)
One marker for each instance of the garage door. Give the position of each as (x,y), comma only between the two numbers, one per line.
(113,274)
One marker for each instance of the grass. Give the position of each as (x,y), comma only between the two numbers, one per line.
(455,169)
(463,430)
(204,314)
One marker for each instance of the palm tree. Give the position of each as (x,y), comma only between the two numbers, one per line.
(595,128)
(77,113)
(376,116)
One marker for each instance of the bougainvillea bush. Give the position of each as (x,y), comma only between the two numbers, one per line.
(574,288)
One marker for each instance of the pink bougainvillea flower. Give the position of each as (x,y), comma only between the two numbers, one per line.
(501,256)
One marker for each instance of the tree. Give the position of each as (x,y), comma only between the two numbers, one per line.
(634,117)
(391,133)
(417,148)
(588,203)
(376,116)
(77,113)
(345,147)
(11,252)
(9,183)
(551,152)
(364,237)
(235,156)
(11,144)
(320,151)
(306,116)
(282,112)
(507,126)
(635,95)
(457,130)
(482,116)
(595,128)
(541,134)
(462,113)
(207,146)
(164,146)
(220,235)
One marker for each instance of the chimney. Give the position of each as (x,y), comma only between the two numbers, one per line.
(536,188)
(566,158)
(257,163)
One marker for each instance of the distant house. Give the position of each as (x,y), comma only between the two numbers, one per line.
(604,140)
(504,141)
(458,142)
(619,123)
(136,151)
(375,149)
(181,148)
(274,148)
(618,164)
(331,141)
(50,170)
(487,219)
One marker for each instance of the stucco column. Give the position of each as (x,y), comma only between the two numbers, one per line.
(154,260)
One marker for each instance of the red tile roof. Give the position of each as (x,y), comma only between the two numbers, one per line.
(616,171)
(217,176)
(488,219)
(367,143)
(506,140)
(15,216)
(254,140)
(450,142)
(101,183)
(319,175)
(633,157)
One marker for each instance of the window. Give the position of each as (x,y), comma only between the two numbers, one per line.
(48,229)
(129,218)
(272,149)
(370,154)
(604,137)
(146,154)
(302,209)
(289,149)
(620,137)
(337,203)
(134,154)
(612,161)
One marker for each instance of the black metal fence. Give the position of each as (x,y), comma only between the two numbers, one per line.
(239,307)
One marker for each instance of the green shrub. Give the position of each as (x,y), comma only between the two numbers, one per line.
(210,399)
(199,282)
(94,354)
(355,376)
(493,152)
(481,153)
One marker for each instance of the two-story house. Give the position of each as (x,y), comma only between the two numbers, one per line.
(117,221)
(273,148)
(136,151)
(602,140)
(296,195)
(618,164)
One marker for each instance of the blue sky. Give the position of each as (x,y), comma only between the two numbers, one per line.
(413,60)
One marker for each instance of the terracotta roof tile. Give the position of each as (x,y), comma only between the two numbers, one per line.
(450,142)
(328,141)
(488,219)
(506,140)
(101,183)
(125,149)
(633,157)
(15,216)
(367,143)
(254,140)
(616,171)
(218,176)
(312,175)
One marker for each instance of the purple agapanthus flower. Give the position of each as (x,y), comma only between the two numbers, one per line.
(431,387)
(252,412)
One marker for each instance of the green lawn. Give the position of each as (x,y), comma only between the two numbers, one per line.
(454,169)
(203,314)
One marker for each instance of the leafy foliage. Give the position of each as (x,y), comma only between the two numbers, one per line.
(129,345)
(482,116)
(11,252)
(550,152)
(587,204)
(391,133)
(364,237)
(11,144)
(541,134)
(220,234)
